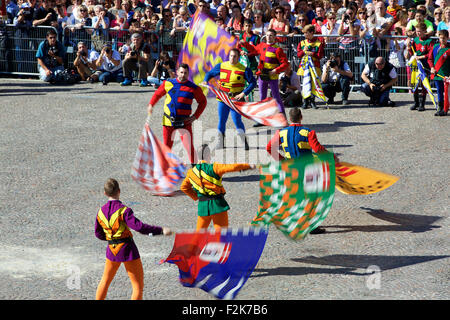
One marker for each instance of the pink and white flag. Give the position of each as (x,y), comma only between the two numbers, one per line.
(265,111)
(155,167)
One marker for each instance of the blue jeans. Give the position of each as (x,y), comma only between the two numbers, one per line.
(224,112)
(155,81)
(43,75)
(381,98)
(108,76)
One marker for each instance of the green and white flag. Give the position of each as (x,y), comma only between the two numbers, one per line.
(296,194)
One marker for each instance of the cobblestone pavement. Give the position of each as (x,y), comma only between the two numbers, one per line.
(59,145)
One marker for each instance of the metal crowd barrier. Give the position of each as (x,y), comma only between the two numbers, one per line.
(18,48)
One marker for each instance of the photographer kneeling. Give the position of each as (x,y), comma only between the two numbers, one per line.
(336,77)
(379,76)
(164,69)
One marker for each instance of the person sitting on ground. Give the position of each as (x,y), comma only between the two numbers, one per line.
(85,63)
(50,57)
(136,59)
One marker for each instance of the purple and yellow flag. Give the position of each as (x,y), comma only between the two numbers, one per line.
(204,46)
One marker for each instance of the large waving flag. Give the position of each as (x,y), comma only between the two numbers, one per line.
(418,74)
(205,45)
(311,84)
(296,194)
(353,179)
(218,262)
(155,167)
(265,111)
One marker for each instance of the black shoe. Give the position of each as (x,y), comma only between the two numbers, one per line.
(421,108)
(318,230)
(313,105)
(390,104)
(331,101)
(345,102)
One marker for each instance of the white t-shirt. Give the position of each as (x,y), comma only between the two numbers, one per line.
(107,64)
(333,76)
(392,74)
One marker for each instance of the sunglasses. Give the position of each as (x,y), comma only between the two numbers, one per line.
(83,10)
(301,20)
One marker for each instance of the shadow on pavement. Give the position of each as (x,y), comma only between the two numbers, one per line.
(347,264)
(401,222)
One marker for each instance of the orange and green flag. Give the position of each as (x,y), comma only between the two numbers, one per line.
(296,194)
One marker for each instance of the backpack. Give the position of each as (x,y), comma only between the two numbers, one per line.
(68,76)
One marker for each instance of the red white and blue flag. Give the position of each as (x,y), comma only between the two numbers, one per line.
(265,111)
(155,167)
(218,262)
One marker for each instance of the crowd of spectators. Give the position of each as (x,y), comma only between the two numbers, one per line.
(359,20)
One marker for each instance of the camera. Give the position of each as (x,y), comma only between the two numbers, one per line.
(107,50)
(346,17)
(133,53)
(84,53)
(333,64)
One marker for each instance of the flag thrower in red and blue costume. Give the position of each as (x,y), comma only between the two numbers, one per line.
(218,262)
(205,45)
(155,167)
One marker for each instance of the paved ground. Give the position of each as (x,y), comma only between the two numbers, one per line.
(59,145)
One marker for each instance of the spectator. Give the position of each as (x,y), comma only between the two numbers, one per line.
(336,77)
(379,76)
(46,15)
(100,24)
(248,14)
(445,23)
(181,22)
(163,27)
(259,27)
(320,18)
(109,65)
(11,9)
(263,6)
(397,49)
(290,88)
(236,22)
(300,22)
(338,9)
(288,14)
(302,7)
(136,59)
(85,63)
(222,12)
(419,17)
(279,23)
(438,17)
(137,5)
(402,21)
(330,29)
(349,25)
(164,69)
(384,21)
(213,6)
(23,42)
(393,9)
(50,57)
(79,20)
(114,10)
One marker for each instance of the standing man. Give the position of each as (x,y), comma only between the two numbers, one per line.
(232,77)
(296,141)
(272,61)
(439,59)
(180,93)
(379,76)
(419,48)
(50,57)
(136,59)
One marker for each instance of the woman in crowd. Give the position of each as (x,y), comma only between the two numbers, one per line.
(278,22)
(260,27)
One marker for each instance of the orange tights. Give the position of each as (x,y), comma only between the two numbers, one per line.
(135,272)
(220,220)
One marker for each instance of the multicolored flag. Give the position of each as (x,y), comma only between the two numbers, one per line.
(265,111)
(218,262)
(418,74)
(155,167)
(296,194)
(311,84)
(353,179)
(205,45)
